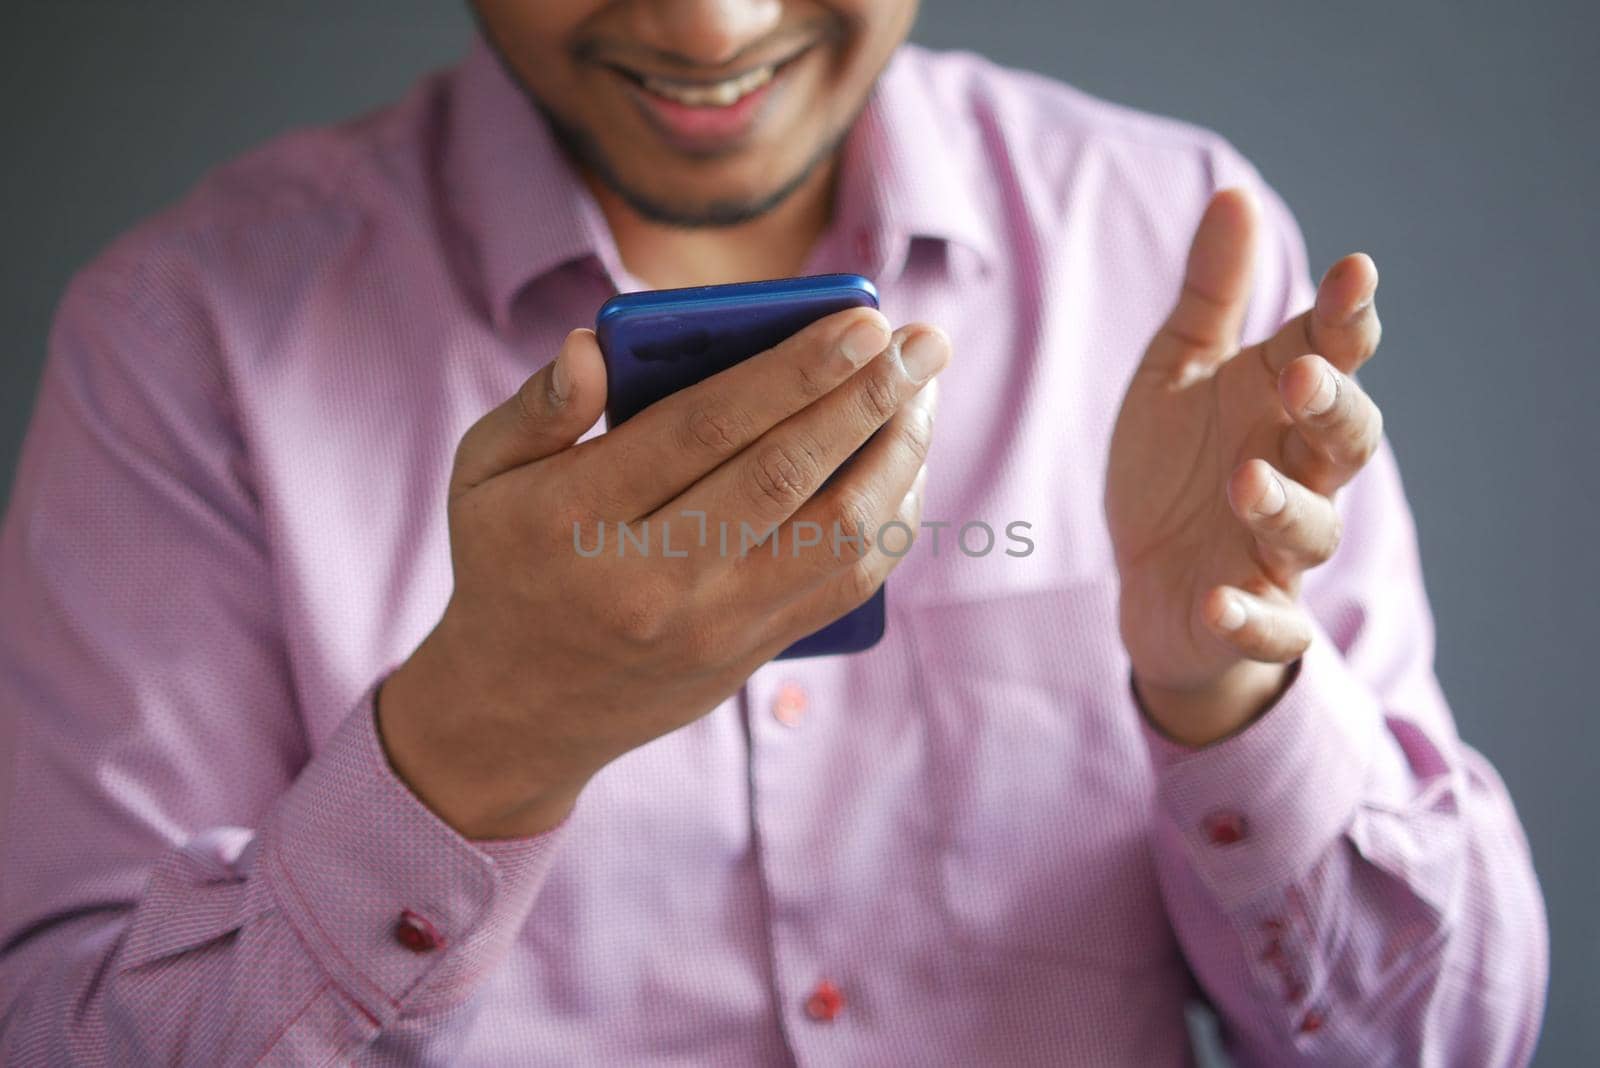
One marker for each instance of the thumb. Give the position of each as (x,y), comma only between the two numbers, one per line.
(1203,330)
(548,413)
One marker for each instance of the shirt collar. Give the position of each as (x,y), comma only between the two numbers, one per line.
(523,207)
(527,212)
(902,174)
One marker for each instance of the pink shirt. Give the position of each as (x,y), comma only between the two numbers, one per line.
(961,847)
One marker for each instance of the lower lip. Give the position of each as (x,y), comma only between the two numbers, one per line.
(702,129)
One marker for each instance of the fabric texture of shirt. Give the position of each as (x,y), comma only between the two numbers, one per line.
(964,846)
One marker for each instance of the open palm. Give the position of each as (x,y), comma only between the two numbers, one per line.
(1224,461)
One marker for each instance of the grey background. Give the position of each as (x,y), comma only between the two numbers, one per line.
(1456,143)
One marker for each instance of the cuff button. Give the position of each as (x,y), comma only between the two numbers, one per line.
(1224,827)
(415,933)
(825,1002)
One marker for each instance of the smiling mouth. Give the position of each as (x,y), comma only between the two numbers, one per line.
(703,94)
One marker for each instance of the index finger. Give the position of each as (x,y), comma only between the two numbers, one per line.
(673,443)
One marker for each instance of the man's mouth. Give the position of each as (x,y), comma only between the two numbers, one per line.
(715,95)
(703,116)
(700,93)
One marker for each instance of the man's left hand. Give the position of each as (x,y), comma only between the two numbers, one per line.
(1223,466)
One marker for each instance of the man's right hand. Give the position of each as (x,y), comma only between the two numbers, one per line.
(547,663)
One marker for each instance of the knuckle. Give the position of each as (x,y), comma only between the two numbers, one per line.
(1363,452)
(595,501)
(780,476)
(572,519)
(714,427)
(637,621)
(528,404)
(916,434)
(1318,546)
(849,526)
(638,618)
(1374,435)
(880,392)
(1363,443)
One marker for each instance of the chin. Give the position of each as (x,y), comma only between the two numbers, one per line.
(691,199)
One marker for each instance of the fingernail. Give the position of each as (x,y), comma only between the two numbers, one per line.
(863,341)
(560,382)
(1273,500)
(1233,614)
(924,354)
(1323,398)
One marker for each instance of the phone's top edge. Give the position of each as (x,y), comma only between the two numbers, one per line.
(732,293)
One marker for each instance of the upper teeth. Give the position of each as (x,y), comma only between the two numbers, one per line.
(720,95)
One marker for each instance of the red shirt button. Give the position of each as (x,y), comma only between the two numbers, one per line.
(416,933)
(825,1002)
(1224,828)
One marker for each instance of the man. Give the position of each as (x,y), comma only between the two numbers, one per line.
(332,748)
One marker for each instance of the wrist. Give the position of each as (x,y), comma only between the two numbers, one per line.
(444,742)
(1203,715)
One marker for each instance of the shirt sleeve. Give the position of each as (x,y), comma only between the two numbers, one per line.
(185,878)
(1349,881)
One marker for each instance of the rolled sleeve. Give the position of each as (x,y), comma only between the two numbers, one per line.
(1256,810)
(350,850)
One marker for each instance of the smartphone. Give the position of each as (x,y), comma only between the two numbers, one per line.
(656,343)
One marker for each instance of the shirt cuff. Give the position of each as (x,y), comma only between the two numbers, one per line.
(1256,810)
(396,906)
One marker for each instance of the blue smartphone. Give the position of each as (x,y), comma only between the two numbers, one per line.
(656,343)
